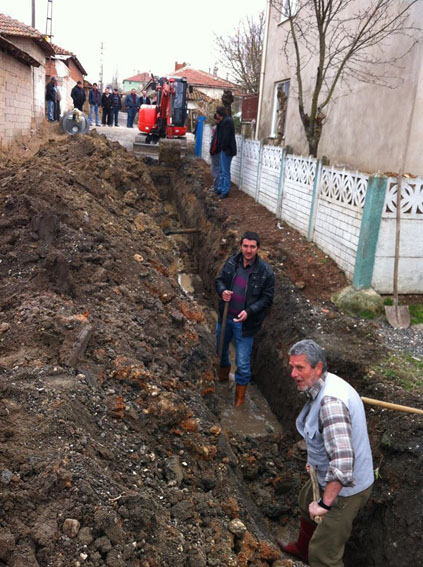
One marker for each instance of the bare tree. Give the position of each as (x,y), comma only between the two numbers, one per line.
(241,53)
(342,40)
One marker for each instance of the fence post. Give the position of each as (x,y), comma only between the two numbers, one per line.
(199,136)
(240,151)
(314,198)
(258,173)
(281,184)
(241,169)
(369,231)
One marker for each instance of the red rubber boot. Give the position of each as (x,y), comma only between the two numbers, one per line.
(300,547)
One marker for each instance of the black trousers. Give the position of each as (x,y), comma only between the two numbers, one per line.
(107,117)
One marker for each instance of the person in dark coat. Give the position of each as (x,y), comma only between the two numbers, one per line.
(132,104)
(246,283)
(116,106)
(226,147)
(94,98)
(78,95)
(107,103)
(51,98)
(144,99)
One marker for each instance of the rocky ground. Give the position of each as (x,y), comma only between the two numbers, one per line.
(112,450)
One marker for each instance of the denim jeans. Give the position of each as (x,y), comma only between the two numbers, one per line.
(131,115)
(215,170)
(225,174)
(243,347)
(115,114)
(50,110)
(94,109)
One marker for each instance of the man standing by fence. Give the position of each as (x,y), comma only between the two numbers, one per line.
(226,147)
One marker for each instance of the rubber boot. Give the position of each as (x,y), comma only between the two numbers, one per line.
(224,373)
(300,547)
(240,395)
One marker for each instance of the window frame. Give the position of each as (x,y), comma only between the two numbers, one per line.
(277,84)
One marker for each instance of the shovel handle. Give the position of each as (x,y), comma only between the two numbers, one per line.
(316,490)
(222,330)
(388,405)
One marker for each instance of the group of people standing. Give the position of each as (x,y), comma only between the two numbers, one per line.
(110,103)
(222,150)
(332,421)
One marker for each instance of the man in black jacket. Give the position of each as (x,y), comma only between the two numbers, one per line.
(246,283)
(226,147)
(106,104)
(78,95)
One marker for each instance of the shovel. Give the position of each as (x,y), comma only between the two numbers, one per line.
(222,333)
(398,316)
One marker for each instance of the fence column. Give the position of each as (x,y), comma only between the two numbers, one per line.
(369,231)
(258,173)
(280,185)
(314,197)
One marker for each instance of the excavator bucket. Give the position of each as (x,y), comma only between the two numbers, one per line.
(166,151)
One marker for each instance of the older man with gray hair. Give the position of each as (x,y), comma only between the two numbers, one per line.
(333,424)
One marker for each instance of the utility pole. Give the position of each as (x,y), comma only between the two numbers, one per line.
(101,67)
(49,21)
(33,14)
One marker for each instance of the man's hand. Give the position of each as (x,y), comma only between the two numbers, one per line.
(315,510)
(241,317)
(226,295)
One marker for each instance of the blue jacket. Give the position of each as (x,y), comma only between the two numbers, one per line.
(129,101)
(92,98)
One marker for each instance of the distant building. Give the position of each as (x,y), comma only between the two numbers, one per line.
(67,69)
(210,85)
(23,52)
(137,82)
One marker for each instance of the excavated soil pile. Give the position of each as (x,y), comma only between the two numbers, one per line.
(109,455)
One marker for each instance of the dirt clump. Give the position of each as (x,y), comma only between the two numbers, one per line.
(109,454)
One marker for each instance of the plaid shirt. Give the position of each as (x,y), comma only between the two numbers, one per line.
(335,425)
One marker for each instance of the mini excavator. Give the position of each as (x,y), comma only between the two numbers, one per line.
(162,125)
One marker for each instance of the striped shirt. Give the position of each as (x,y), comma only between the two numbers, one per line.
(239,288)
(335,425)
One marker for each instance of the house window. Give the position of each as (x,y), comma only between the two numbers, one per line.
(288,9)
(280,105)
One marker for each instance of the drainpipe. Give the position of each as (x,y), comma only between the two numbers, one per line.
(263,65)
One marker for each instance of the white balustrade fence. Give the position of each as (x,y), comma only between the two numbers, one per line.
(326,205)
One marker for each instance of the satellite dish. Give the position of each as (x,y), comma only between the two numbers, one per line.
(75,122)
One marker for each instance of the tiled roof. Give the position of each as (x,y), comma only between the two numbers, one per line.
(60,51)
(199,78)
(140,78)
(13,28)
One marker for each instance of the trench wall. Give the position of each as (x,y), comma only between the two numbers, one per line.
(326,204)
(382,534)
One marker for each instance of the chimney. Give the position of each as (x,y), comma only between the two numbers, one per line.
(179,65)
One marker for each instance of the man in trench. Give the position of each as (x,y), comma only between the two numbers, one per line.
(333,424)
(246,283)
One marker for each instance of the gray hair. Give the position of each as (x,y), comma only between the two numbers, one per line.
(312,351)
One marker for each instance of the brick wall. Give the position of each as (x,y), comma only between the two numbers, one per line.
(22,93)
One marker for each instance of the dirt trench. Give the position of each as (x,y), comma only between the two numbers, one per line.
(111,447)
(388,531)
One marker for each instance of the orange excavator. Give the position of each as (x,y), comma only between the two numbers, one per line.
(164,120)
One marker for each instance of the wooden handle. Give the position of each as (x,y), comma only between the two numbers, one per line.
(316,490)
(388,405)
(222,330)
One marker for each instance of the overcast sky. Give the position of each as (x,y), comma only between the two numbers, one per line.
(137,35)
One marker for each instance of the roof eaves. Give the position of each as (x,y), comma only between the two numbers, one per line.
(18,53)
